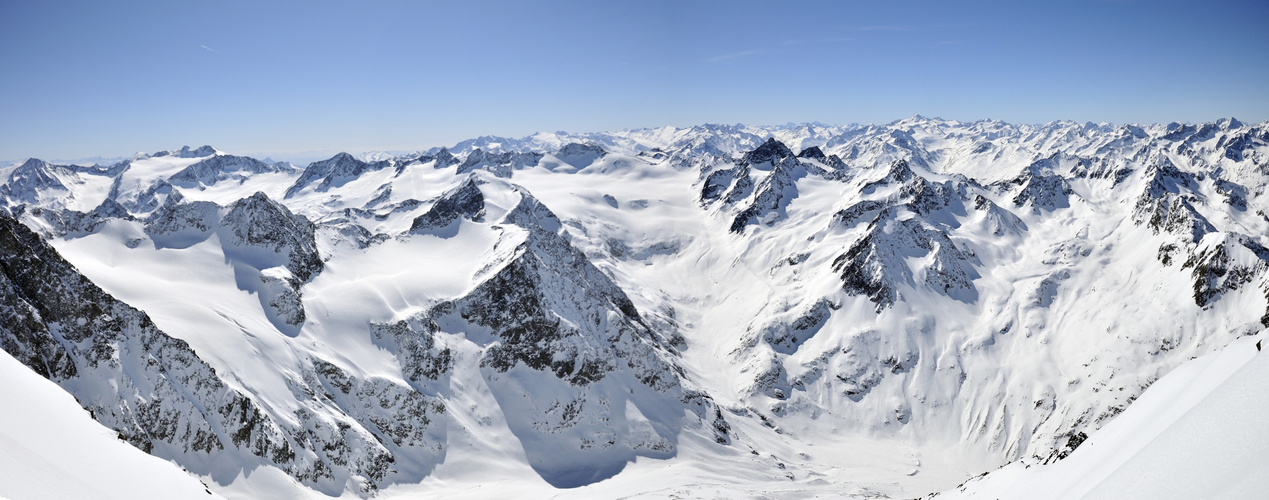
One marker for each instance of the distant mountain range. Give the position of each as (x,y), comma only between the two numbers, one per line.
(721,309)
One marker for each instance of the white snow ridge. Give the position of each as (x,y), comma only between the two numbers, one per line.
(716,311)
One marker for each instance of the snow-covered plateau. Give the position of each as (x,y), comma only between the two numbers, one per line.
(796,311)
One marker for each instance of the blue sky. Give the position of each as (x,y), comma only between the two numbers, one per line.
(306,78)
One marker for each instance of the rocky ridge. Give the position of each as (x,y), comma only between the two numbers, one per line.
(898,263)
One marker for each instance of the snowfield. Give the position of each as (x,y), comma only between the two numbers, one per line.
(715,311)
(53,449)
(1196,433)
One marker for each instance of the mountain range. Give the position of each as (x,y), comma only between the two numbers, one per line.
(866,310)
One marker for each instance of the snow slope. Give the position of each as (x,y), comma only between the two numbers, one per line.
(53,449)
(874,310)
(1196,433)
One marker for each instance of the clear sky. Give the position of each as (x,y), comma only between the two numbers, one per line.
(306,78)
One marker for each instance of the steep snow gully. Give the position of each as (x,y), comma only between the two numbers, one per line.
(717,310)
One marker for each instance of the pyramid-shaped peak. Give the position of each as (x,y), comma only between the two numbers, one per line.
(814,153)
(341,157)
(33,163)
(444,158)
(771,151)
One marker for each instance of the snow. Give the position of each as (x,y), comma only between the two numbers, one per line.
(1069,315)
(144,172)
(1196,433)
(192,294)
(53,449)
(375,286)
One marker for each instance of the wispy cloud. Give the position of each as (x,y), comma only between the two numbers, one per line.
(779,47)
(211,49)
(879,28)
(734,55)
(814,41)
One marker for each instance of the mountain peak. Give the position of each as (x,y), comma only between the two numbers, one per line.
(581,149)
(531,304)
(771,151)
(1228,123)
(33,163)
(187,152)
(813,153)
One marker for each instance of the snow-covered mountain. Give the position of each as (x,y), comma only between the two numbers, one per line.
(1195,433)
(862,309)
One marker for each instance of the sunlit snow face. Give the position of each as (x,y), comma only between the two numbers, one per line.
(898,309)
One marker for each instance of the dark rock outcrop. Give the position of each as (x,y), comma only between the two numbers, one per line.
(1224,262)
(334,172)
(149,387)
(220,168)
(499,164)
(277,248)
(548,318)
(464,201)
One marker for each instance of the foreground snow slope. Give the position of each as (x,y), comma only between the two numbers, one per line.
(876,310)
(1198,432)
(53,449)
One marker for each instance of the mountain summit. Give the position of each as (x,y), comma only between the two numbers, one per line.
(723,309)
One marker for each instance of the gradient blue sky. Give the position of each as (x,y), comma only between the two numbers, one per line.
(305,78)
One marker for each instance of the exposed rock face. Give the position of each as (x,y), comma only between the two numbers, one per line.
(465,201)
(877,263)
(48,186)
(898,173)
(815,153)
(1000,221)
(1042,189)
(414,343)
(28,179)
(764,201)
(148,200)
(499,164)
(220,168)
(580,155)
(549,319)
(69,221)
(334,172)
(1223,263)
(770,152)
(444,159)
(730,180)
(1172,213)
(274,252)
(774,192)
(786,337)
(1165,204)
(372,432)
(1235,194)
(263,237)
(862,305)
(156,392)
(132,377)
(348,232)
(186,152)
(259,223)
(860,365)
(177,224)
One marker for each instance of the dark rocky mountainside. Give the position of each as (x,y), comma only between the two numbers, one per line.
(945,295)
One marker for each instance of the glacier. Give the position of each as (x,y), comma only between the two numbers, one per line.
(863,310)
